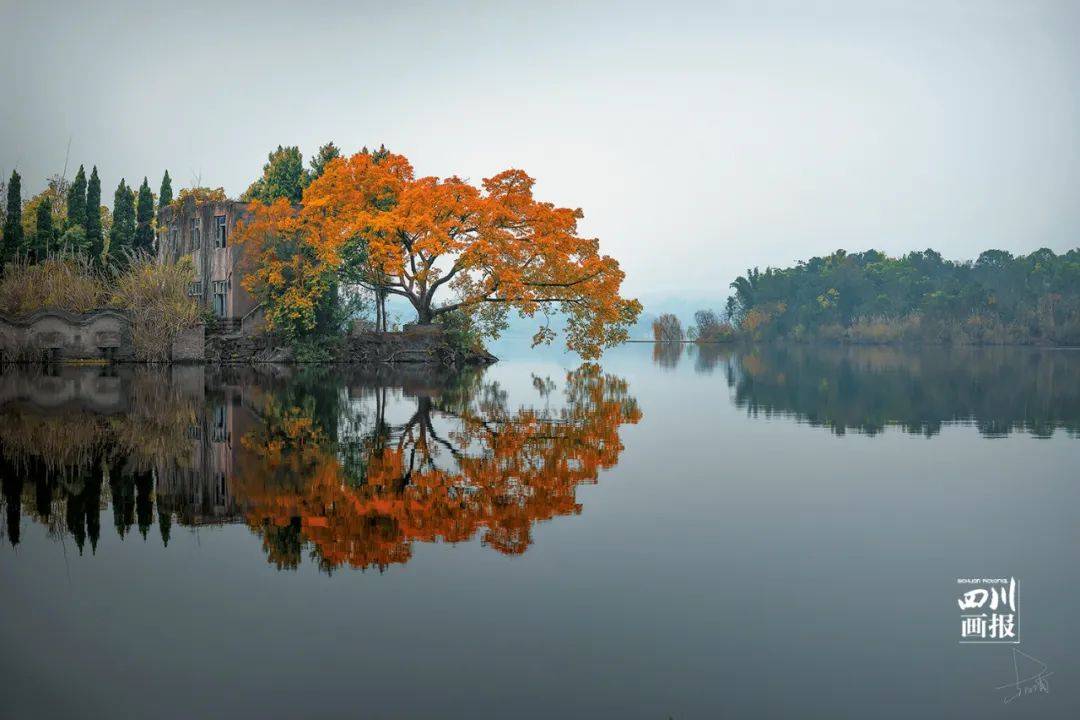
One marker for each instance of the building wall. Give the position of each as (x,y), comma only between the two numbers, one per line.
(193,230)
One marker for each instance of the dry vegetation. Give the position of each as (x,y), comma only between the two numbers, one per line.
(60,282)
(153,294)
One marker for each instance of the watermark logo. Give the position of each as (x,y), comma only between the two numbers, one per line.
(988,610)
(1031,676)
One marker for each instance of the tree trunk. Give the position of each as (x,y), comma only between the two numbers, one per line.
(424,315)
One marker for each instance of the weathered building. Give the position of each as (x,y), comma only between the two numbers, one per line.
(203,231)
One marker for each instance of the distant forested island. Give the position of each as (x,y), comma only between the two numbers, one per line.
(871,298)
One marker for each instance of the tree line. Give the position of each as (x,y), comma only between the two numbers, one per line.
(68,217)
(871,298)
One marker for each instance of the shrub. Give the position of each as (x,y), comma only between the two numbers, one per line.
(155,296)
(315,349)
(708,328)
(667,328)
(461,332)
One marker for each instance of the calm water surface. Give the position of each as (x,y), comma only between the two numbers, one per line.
(680,532)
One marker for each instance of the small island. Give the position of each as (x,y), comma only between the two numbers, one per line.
(869,298)
(300,268)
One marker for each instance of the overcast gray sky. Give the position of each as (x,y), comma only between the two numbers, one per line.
(699,138)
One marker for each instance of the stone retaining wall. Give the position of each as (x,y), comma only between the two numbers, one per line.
(421,345)
(57,335)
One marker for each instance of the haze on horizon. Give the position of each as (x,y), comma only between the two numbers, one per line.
(699,138)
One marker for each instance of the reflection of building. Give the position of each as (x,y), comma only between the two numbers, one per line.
(200,491)
(203,231)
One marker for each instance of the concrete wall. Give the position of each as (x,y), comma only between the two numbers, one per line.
(60,335)
(190,345)
(57,335)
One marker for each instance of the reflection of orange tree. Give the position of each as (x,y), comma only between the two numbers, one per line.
(494,470)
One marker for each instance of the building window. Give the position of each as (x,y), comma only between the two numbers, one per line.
(218,288)
(195,289)
(219,231)
(196,239)
(220,433)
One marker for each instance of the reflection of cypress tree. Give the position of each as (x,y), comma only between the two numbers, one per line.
(93,503)
(164,525)
(144,502)
(75,509)
(122,486)
(12,484)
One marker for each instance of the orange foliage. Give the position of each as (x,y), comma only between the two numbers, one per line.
(495,247)
(495,471)
(282,268)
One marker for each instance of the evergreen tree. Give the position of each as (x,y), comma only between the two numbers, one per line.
(76,200)
(326,153)
(93,217)
(13,231)
(165,194)
(122,232)
(377,155)
(283,177)
(144,230)
(43,230)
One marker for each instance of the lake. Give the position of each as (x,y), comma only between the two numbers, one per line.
(678,532)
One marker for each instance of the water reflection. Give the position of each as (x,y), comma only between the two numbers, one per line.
(667,354)
(866,389)
(350,468)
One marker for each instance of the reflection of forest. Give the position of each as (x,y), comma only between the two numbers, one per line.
(352,468)
(998,389)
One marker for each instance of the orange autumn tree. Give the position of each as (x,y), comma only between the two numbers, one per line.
(292,277)
(442,244)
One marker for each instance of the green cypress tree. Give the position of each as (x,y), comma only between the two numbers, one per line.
(13,231)
(326,153)
(165,195)
(144,218)
(93,217)
(76,200)
(122,232)
(43,230)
